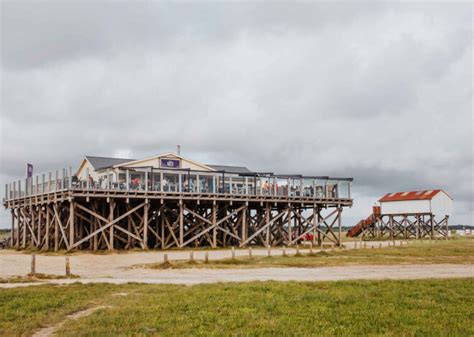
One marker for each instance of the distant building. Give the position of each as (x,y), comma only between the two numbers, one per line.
(437,202)
(408,214)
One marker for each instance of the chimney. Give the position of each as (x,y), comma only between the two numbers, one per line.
(178,150)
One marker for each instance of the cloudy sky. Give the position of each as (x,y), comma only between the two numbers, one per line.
(382,93)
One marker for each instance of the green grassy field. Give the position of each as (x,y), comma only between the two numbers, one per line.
(459,251)
(364,308)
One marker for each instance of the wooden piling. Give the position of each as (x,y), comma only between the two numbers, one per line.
(33,264)
(68,267)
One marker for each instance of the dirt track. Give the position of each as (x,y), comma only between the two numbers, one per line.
(115,268)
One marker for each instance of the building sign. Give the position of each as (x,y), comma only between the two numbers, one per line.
(169,163)
(29,170)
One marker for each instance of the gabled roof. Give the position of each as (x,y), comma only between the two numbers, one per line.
(413,195)
(166,155)
(230,168)
(103,162)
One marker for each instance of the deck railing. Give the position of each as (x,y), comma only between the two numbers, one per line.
(186,182)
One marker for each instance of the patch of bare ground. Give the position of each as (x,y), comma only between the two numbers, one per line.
(49,331)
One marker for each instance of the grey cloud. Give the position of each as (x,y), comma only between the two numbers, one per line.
(381,93)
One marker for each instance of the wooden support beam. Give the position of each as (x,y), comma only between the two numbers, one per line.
(71,222)
(101,229)
(269,223)
(300,235)
(145,224)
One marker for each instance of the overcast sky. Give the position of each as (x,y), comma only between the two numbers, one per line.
(381,93)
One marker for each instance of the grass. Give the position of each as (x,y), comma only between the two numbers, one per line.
(453,251)
(36,278)
(364,308)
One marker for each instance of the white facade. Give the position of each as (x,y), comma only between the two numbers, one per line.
(440,205)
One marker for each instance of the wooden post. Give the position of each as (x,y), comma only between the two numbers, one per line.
(283,253)
(48,220)
(56,233)
(267,220)
(432,226)
(269,251)
(244,225)
(165,258)
(23,224)
(447,227)
(214,221)
(297,250)
(250,252)
(12,241)
(33,264)
(339,226)
(181,223)
(206,256)
(68,267)
(289,221)
(111,218)
(191,257)
(162,219)
(233,253)
(145,224)
(71,223)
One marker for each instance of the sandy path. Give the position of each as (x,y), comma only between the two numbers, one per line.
(198,276)
(49,331)
(115,268)
(87,265)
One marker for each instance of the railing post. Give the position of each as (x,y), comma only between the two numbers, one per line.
(179,183)
(56,181)
(70,178)
(88,183)
(6,193)
(42,182)
(161,181)
(50,176)
(27,186)
(146,181)
(230,184)
(14,190)
(37,185)
(213,184)
(246,185)
(128,179)
(198,184)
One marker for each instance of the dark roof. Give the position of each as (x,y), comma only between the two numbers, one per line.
(103,162)
(230,168)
